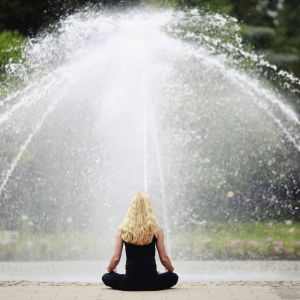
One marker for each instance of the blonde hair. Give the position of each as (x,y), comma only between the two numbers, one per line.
(139,225)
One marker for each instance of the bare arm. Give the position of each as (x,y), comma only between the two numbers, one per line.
(164,259)
(118,252)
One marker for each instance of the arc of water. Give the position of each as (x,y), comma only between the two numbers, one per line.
(240,79)
(284,108)
(30,99)
(272,116)
(50,87)
(212,42)
(24,146)
(231,47)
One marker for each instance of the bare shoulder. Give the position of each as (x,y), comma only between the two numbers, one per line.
(159,231)
(119,231)
(159,228)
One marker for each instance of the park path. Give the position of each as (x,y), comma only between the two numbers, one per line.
(24,290)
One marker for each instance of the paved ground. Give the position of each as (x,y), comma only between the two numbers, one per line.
(25,290)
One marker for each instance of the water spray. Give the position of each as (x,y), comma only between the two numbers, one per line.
(145,125)
(146,99)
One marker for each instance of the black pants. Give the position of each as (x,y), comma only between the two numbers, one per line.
(140,281)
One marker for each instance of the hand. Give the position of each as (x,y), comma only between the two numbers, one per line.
(115,269)
(112,270)
(166,270)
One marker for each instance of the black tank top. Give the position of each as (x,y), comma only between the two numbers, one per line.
(140,258)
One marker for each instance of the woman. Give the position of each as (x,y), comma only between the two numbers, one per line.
(140,233)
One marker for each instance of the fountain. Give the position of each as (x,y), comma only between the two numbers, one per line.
(109,104)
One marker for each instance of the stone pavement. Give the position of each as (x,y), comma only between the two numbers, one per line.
(26,290)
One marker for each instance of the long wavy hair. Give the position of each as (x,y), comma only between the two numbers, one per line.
(139,225)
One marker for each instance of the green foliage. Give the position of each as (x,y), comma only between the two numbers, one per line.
(11,48)
(259,35)
(239,241)
(223,6)
(28,16)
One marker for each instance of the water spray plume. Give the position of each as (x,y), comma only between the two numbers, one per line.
(109,104)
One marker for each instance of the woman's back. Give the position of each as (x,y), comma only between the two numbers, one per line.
(140,258)
(140,233)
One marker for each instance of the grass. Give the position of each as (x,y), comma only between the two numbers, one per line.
(239,241)
(225,241)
